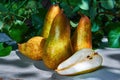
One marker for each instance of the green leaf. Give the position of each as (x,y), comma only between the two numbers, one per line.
(84,4)
(42,13)
(73,24)
(74,2)
(96,38)
(93,9)
(114,38)
(6,28)
(21,11)
(1,46)
(32,4)
(16,35)
(1,25)
(36,20)
(95,27)
(17,31)
(108,4)
(111,25)
(93,12)
(76,9)
(14,6)
(67,9)
(3,8)
(37,23)
(4,51)
(18,22)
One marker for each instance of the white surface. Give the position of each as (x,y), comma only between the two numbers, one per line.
(17,66)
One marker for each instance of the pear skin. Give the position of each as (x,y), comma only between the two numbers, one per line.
(82,37)
(52,12)
(33,48)
(58,45)
(22,47)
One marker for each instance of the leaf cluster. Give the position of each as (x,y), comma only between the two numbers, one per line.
(21,20)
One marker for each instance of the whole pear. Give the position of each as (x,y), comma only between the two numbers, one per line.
(82,37)
(52,12)
(33,48)
(58,45)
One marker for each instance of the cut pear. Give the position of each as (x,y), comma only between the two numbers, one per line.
(83,61)
(78,56)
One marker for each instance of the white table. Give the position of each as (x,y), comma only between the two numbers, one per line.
(18,67)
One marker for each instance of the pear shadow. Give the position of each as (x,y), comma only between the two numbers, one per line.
(38,64)
(17,63)
(24,58)
(18,76)
(115,56)
(25,75)
(103,73)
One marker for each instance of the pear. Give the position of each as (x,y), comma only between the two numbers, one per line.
(58,45)
(82,37)
(52,12)
(83,61)
(33,48)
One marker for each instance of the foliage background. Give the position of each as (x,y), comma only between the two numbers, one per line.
(23,19)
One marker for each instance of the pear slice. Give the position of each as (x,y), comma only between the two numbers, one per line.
(83,61)
(78,56)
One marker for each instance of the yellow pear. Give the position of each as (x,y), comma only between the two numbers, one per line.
(33,48)
(58,45)
(82,37)
(52,12)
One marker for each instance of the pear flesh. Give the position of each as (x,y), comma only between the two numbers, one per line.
(83,61)
(78,56)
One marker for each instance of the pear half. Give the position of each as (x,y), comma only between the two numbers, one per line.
(83,61)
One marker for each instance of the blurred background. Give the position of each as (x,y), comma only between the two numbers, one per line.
(22,19)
